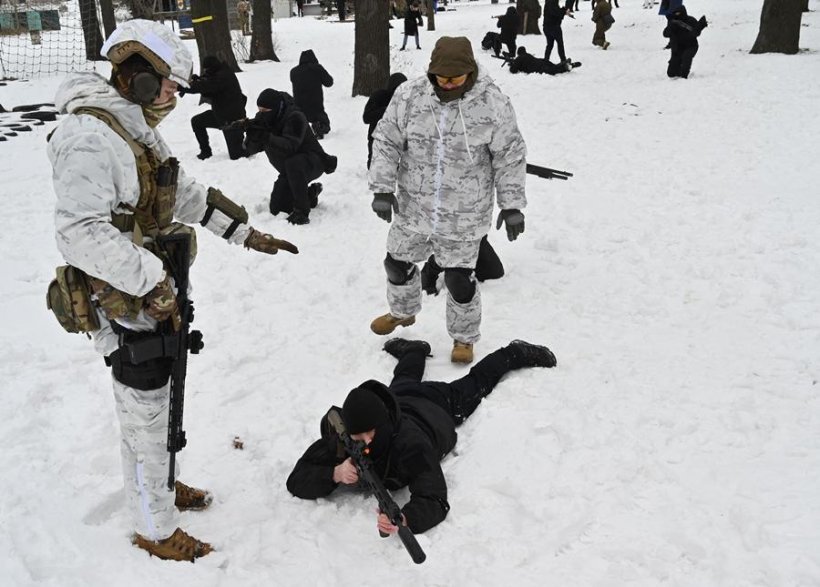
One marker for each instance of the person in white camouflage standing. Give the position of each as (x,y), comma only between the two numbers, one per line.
(118,191)
(446,144)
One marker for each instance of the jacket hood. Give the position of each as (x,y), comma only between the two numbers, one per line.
(308,56)
(91,90)
(511,11)
(452,56)
(395,81)
(380,389)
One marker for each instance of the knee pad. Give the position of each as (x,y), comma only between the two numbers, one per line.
(459,284)
(151,374)
(398,272)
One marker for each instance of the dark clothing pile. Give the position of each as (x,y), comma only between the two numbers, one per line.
(376,107)
(284,134)
(308,78)
(683,32)
(527,63)
(407,450)
(220,88)
(509,25)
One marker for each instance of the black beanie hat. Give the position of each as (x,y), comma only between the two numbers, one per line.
(363,410)
(270,99)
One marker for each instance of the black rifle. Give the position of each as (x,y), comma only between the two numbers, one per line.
(359,452)
(547,173)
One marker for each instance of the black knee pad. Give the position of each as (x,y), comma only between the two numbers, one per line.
(459,284)
(151,374)
(398,272)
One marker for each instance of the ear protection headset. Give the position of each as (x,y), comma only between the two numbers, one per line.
(140,71)
(144,86)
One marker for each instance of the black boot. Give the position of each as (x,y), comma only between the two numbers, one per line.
(314,190)
(398,347)
(204,153)
(524,354)
(298,217)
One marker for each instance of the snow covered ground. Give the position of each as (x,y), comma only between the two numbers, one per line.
(675,276)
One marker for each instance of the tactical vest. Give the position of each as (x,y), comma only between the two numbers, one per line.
(152,216)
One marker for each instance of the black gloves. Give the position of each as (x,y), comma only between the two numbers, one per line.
(514,219)
(181,90)
(383,205)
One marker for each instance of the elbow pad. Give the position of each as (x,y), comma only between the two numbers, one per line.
(218,201)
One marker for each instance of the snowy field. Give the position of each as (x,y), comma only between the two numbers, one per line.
(676,276)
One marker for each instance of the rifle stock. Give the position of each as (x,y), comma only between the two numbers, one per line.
(359,453)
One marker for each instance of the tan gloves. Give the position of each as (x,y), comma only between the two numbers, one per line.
(265,243)
(161,303)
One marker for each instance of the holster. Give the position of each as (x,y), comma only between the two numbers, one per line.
(143,360)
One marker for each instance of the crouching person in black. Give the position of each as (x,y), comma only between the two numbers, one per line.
(283,132)
(683,32)
(308,78)
(219,88)
(408,427)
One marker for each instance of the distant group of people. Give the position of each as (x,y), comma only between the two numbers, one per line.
(286,128)
(682,31)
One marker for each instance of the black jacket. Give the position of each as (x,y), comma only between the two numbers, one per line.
(509,25)
(220,88)
(683,30)
(553,13)
(420,434)
(308,78)
(412,21)
(284,134)
(377,103)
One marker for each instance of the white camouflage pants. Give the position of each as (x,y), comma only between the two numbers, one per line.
(463,320)
(143,419)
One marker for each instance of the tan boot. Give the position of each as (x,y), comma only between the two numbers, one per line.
(191,498)
(388,323)
(462,352)
(179,546)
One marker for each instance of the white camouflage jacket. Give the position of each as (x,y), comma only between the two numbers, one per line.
(94,172)
(443,160)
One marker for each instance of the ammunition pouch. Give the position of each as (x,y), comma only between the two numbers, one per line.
(173,228)
(218,201)
(114,303)
(151,374)
(69,298)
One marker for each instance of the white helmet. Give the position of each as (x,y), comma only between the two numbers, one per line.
(154,42)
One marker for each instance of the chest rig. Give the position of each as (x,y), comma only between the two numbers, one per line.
(150,218)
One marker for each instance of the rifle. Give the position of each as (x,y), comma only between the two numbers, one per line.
(241,124)
(547,173)
(359,452)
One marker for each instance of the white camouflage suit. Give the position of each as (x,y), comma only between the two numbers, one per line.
(95,173)
(443,161)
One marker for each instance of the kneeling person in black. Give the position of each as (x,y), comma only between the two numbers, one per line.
(283,132)
(220,88)
(408,427)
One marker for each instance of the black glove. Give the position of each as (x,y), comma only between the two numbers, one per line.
(383,205)
(703,23)
(514,219)
(181,90)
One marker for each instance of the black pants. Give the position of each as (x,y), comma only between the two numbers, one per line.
(459,398)
(233,137)
(554,35)
(511,47)
(681,61)
(290,191)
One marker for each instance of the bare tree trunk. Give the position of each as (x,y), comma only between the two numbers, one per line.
(371,64)
(107,11)
(431,15)
(779,27)
(141,8)
(529,11)
(213,37)
(91,31)
(805,5)
(261,38)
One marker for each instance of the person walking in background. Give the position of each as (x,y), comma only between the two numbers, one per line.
(376,107)
(219,87)
(683,32)
(553,17)
(446,148)
(307,79)
(509,24)
(412,22)
(300,5)
(341,6)
(603,19)
(243,11)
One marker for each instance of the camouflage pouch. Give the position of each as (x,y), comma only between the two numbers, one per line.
(69,299)
(113,302)
(174,228)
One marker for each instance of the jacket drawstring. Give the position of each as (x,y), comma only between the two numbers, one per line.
(464,130)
